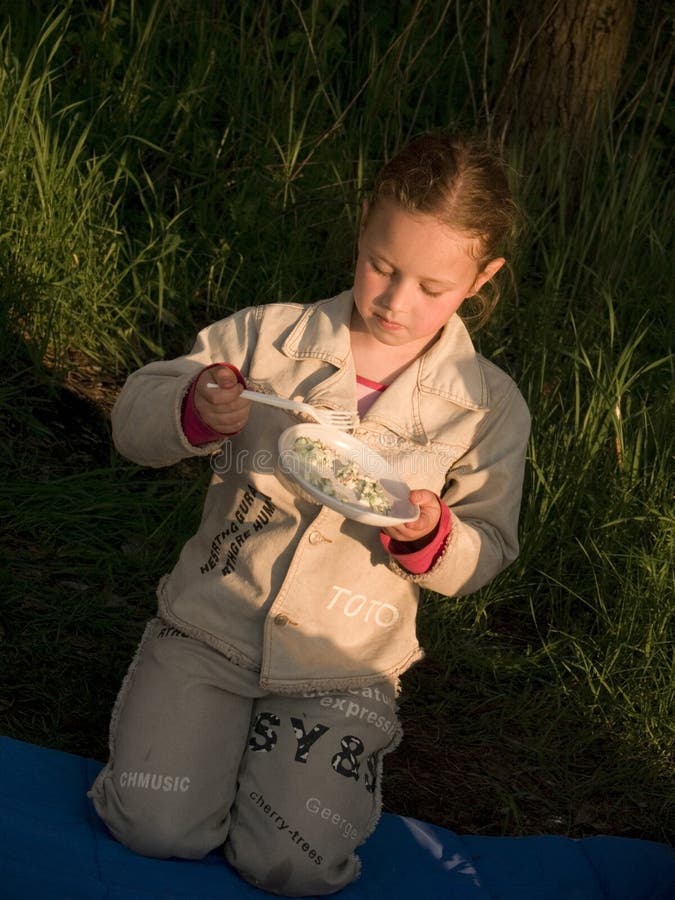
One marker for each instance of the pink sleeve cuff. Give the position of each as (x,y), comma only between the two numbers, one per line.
(417,562)
(194,428)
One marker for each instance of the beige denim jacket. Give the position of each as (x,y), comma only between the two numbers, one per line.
(282,585)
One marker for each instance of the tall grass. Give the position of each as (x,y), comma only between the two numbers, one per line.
(164,163)
(225,148)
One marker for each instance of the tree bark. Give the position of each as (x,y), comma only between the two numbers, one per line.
(566,63)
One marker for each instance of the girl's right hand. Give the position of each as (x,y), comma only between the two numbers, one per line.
(222,408)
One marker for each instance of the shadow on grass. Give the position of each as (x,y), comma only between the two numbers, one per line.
(507,758)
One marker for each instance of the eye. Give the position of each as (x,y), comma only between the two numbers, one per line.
(379,270)
(429,292)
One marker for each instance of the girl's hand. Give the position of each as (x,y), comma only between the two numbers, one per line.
(425,524)
(221,409)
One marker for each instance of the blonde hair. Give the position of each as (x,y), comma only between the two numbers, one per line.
(462,183)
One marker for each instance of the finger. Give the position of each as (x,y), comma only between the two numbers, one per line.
(430,514)
(223,412)
(215,379)
(424,499)
(222,396)
(228,422)
(224,377)
(408,531)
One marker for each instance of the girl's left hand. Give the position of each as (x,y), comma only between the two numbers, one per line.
(428,519)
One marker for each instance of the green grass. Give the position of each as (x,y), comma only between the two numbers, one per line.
(164,163)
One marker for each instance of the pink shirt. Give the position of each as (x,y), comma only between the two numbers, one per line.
(367,392)
(409,554)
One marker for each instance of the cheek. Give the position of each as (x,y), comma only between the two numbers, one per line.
(365,281)
(435,316)
(359,273)
(454,305)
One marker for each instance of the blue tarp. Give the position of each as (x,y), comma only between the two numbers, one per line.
(53,847)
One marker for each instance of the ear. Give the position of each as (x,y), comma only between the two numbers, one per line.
(487,273)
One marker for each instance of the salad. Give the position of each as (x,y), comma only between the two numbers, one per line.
(340,478)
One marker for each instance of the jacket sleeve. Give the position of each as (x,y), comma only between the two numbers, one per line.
(483,490)
(146,418)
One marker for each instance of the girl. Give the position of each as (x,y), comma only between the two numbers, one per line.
(261,701)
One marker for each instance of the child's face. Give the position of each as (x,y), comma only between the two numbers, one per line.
(412,275)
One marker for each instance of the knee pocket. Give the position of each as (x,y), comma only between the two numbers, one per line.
(156,830)
(157,837)
(293,871)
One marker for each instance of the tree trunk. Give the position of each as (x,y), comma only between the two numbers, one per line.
(566,63)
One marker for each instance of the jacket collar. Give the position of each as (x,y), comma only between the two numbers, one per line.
(450,370)
(322,331)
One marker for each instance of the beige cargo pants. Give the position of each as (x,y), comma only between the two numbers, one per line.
(201,757)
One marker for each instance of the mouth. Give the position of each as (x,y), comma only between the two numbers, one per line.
(387,323)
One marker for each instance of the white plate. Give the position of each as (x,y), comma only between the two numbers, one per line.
(369,462)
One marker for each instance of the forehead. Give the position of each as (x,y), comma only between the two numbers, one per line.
(415,239)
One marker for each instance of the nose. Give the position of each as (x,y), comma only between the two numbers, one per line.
(395,297)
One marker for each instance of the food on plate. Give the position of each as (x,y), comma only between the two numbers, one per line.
(338,477)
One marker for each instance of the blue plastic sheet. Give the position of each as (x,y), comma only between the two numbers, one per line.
(54,847)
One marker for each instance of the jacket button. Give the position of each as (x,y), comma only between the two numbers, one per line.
(281,619)
(315,537)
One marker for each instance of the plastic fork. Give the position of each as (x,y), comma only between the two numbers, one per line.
(333,418)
